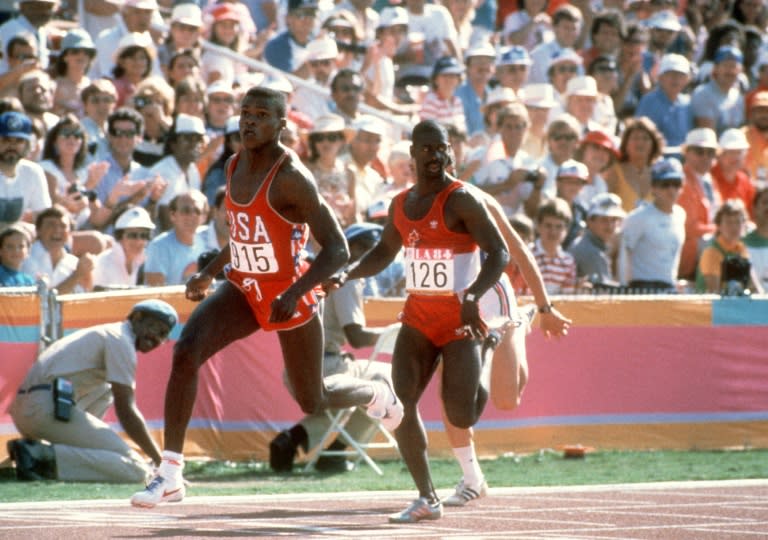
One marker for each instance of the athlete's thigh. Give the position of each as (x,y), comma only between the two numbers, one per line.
(414,360)
(302,349)
(223,317)
(507,358)
(461,371)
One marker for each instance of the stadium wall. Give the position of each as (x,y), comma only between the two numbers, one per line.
(677,372)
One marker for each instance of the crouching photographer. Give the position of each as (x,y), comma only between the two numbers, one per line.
(60,405)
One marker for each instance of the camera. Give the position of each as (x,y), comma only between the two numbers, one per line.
(87,193)
(345,46)
(141,101)
(532,176)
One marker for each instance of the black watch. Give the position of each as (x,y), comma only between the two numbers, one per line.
(546,308)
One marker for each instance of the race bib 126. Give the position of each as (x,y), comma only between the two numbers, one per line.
(429,271)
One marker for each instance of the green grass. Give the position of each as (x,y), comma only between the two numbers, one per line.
(542,469)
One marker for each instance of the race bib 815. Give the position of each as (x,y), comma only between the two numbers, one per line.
(253,258)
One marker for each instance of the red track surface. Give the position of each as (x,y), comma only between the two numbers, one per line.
(675,511)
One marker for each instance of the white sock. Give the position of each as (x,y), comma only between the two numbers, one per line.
(172,465)
(470,466)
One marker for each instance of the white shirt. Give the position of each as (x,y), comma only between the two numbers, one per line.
(109,268)
(27,190)
(169,170)
(39,265)
(498,171)
(20,25)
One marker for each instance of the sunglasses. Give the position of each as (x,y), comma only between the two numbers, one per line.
(666,184)
(699,151)
(330,137)
(127,133)
(187,210)
(132,235)
(318,63)
(229,100)
(70,133)
(101,99)
(566,69)
(563,137)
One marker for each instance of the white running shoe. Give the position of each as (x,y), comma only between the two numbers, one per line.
(387,408)
(418,510)
(159,490)
(465,493)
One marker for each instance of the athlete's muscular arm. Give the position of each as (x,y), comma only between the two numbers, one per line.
(382,253)
(199,283)
(295,197)
(463,208)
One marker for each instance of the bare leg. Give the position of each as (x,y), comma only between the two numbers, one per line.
(463,396)
(509,373)
(413,363)
(220,319)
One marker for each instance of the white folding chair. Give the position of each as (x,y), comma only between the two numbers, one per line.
(358,450)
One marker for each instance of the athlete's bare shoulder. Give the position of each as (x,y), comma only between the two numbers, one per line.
(293,191)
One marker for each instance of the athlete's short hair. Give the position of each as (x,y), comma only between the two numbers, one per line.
(275,98)
(429,126)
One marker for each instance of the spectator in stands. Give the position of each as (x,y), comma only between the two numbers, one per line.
(215,233)
(72,65)
(70,180)
(757,239)
(440,103)
(321,57)
(335,178)
(135,17)
(664,27)
(605,71)
(379,68)
(191,97)
(36,95)
(653,234)
(369,133)
(287,50)
(133,63)
(172,255)
(182,148)
(508,178)
(346,93)
(154,100)
(667,105)
(344,326)
(23,189)
(563,136)
(564,66)
(729,176)
(401,176)
(100,365)
(433,25)
(634,79)
(98,100)
(730,221)
(566,25)
(539,100)
(487,146)
(225,32)
(512,67)
(48,256)
(125,180)
(606,31)
(479,61)
(572,177)
(756,132)
(529,26)
(215,177)
(719,103)
(35,18)
(630,178)
(14,249)
(558,267)
(467,32)
(581,102)
(598,152)
(121,264)
(182,64)
(594,251)
(698,198)
(185,31)
(21,54)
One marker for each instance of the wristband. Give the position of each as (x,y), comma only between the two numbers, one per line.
(470,297)
(547,308)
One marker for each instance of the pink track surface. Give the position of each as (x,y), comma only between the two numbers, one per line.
(675,511)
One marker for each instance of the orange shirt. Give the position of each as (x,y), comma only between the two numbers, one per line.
(698,220)
(740,188)
(757,154)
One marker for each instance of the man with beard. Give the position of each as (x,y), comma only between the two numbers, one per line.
(178,168)
(756,131)
(23,188)
(34,18)
(346,93)
(274,205)
(443,227)
(68,390)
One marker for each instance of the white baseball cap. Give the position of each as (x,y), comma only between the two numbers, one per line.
(733,139)
(370,124)
(702,138)
(134,218)
(186,123)
(674,62)
(323,48)
(539,95)
(583,85)
(220,87)
(187,14)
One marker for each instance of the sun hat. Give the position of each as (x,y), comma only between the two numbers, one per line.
(539,95)
(733,139)
(393,16)
(77,38)
(220,87)
(136,39)
(499,95)
(701,138)
(581,85)
(369,124)
(323,48)
(186,13)
(674,62)
(186,123)
(665,20)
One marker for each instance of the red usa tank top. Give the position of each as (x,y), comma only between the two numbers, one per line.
(437,259)
(263,244)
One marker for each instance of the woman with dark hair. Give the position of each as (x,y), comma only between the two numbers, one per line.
(133,64)
(630,178)
(751,12)
(74,61)
(191,97)
(70,182)
(182,64)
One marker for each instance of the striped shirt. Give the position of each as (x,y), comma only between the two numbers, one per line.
(558,271)
(444,111)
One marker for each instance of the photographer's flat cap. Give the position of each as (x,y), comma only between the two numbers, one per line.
(158,309)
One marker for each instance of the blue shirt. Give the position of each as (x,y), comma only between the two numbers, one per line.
(279,52)
(674,119)
(167,256)
(14,278)
(115,173)
(471,103)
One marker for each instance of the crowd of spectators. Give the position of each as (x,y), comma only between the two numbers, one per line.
(626,140)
